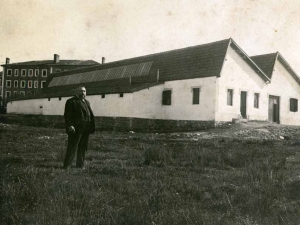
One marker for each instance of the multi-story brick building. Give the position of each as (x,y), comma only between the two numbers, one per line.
(30,77)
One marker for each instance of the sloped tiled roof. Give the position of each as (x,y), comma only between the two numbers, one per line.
(51,62)
(266,62)
(120,86)
(140,69)
(193,62)
(196,61)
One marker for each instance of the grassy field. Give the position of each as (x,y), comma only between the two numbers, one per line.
(140,179)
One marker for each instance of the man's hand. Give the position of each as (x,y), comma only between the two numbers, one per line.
(71,129)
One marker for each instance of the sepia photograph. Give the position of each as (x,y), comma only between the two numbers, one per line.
(157,112)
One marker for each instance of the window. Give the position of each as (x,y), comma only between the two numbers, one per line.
(49,99)
(59,98)
(44,73)
(121,95)
(58,70)
(16,72)
(9,72)
(16,83)
(8,94)
(166,97)
(30,84)
(15,93)
(43,84)
(196,96)
(229,96)
(23,73)
(103,96)
(36,84)
(8,83)
(22,93)
(256,100)
(30,72)
(22,85)
(36,73)
(293,105)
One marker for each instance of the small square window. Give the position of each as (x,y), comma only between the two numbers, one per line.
(29,84)
(121,95)
(49,99)
(196,96)
(30,72)
(44,73)
(36,84)
(293,105)
(230,97)
(43,84)
(103,96)
(22,85)
(23,73)
(9,72)
(36,73)
(8,83)
(166,97)
(256,100)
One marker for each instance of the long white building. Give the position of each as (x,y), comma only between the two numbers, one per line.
(194,87)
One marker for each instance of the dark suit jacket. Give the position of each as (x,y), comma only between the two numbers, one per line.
(75,115)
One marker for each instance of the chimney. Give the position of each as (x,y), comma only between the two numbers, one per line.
(7,60)
(56,58)
(103,60)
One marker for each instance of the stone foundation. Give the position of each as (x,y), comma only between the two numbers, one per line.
(112,123)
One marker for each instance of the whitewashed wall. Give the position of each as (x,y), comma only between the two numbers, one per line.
(239,76)
(284,86)
(146,103)
(31,106)
(54,106)
(182,107)
(112,105)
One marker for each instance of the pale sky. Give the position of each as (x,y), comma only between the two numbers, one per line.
(91,29)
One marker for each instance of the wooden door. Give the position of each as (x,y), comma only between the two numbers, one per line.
(243,105)
(274,107)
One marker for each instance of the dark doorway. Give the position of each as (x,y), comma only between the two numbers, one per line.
(244,104)
(274,106)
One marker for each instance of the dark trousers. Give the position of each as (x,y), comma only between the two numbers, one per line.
(77,141)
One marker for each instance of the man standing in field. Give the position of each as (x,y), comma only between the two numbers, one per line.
(80,123)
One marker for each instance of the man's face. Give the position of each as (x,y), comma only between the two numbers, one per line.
(81,93)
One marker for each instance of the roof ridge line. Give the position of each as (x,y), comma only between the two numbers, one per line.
(229,42)
(289,66)
(261,71)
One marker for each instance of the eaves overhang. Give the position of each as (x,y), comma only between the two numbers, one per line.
(287,66)
(249,61)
